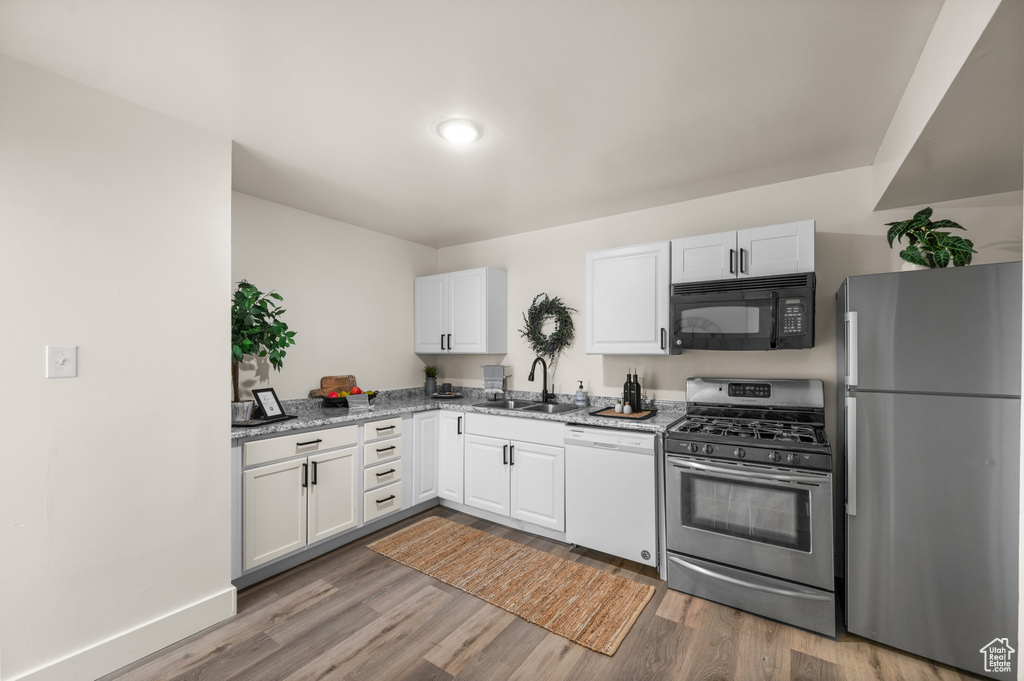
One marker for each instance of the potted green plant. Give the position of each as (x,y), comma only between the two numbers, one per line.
(927,245)
(256,330)
(430,385)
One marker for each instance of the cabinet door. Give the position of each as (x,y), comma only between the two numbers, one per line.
(431,319)
(425,429)
(627,292)
(451,450)
(487,474)
(273,511)
(332,493)
(538,484)
(776,249)
(707,257)
(467,310)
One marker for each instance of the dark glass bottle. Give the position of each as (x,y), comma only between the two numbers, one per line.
(627,389)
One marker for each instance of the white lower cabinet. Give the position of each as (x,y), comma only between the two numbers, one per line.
(521,480)
(426,428)
(289,504)
(451,444)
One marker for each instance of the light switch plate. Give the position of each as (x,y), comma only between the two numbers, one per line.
(61,361)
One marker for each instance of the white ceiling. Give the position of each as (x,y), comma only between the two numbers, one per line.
(592,107)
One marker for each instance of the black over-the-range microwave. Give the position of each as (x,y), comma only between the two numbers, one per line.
(753,313)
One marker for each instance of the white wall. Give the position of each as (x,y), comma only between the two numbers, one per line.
(114,486)
(850,240)
(348,295)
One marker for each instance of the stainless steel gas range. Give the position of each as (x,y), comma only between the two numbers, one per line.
(748,499)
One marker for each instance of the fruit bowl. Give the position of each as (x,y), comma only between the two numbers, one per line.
(338,402)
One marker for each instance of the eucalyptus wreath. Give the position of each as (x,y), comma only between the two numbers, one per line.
(541,310)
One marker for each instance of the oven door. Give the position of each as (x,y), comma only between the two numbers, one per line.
(777,523)
(724,321)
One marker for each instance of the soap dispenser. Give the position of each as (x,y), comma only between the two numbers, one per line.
(581,397)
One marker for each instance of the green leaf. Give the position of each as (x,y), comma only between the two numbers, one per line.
(940,258)
(945,224)
(914,256)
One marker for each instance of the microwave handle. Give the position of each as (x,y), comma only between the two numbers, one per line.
(775,312)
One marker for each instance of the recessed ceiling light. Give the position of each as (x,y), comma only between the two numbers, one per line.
(458,130)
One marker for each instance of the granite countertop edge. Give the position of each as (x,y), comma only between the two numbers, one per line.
(311,415)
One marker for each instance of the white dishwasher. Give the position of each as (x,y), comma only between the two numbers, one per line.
(611,492)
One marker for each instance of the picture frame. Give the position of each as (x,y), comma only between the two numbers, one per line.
(268,404)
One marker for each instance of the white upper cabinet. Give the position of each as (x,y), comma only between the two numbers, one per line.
(759,252)
(462,312)
(627,309)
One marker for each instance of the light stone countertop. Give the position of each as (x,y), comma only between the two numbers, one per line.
(410,400)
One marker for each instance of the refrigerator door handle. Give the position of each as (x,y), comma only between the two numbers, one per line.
(851,455)
(851,348)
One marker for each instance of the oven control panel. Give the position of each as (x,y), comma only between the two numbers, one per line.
(759,390)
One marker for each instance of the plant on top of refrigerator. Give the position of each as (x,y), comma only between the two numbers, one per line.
(927,244)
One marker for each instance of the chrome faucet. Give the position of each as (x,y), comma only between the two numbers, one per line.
(544,389)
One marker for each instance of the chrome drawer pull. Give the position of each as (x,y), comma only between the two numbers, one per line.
(386,472)
(381,501)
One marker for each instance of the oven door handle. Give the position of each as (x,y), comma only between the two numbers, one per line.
(748,475)
(749,585)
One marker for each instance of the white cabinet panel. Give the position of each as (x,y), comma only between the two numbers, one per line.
(425,427)
(626,305)
(451,454)
(538,484)
(704,258)
(462,312)
(757,252)
(274,511)
(332,493)
(487,474)
(776,249)
(431,313)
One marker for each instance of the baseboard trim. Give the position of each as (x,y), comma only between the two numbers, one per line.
(520,525)
(134,644)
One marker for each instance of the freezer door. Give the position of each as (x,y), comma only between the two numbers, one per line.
(932,549)
(956,330)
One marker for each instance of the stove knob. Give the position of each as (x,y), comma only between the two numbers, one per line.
(708,449)
(739,453)
(692,447)
(793,459)
(774,456)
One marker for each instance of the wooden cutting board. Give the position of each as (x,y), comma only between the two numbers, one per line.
(334,384)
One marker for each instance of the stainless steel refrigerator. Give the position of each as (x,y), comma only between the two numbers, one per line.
(929,366)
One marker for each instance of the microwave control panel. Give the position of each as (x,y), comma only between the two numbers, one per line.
(793,316)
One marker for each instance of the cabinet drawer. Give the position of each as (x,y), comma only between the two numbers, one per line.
(382,450)
(378,430)
(275,448)
(382,474)
(382,501)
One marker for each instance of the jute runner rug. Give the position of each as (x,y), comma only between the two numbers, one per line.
(589,606)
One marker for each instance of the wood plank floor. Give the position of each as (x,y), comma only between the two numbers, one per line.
(353,614)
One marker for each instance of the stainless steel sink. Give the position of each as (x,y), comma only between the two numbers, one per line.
(551,408)
(505,404)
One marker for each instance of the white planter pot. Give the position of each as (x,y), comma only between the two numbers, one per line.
(241,411)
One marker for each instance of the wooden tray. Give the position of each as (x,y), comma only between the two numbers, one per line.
(636,416)
(334,384)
